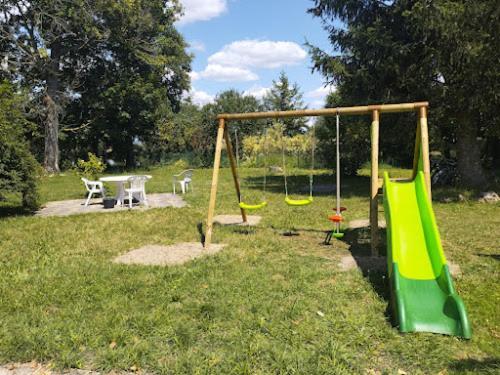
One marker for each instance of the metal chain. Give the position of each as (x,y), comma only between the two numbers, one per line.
(284,164)
(311,176)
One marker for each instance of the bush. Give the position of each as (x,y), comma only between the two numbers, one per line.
(181,165)
(267,148)
(18,168)
(91,168)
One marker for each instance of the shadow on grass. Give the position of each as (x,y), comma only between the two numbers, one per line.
(486,366)
(246,230)
(199,227)
(374,269)
(492,256)
(295,231)
(324,185)
(14,211)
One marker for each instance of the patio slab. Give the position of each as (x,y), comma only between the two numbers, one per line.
(76,206)
(157,255)
(252,220)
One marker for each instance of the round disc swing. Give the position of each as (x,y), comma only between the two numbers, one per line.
(299,202)
(337,218)
(263,203)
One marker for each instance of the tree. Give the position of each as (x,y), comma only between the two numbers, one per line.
(47,45)
(354,139)
(284,96)
(230,101)
(18,167)
(178,134)
(81,54)
(444,51)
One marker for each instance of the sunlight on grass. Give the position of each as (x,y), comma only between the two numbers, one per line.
(265,304)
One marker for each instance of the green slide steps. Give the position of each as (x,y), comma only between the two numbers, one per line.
(423,298)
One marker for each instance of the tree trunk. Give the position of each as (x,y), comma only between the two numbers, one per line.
(51,99)
(51,160)
(471,171)
(130,157)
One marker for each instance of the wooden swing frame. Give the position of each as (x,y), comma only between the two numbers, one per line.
(421,151)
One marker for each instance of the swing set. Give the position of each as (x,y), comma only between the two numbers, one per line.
(420,160)
(243,204)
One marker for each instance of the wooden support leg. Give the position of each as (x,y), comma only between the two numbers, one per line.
(234,170)
(215,180)
(416,153)
(374,183)
(424,142)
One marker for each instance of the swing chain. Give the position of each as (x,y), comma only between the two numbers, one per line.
(284,162)
(313,146)
(311,174)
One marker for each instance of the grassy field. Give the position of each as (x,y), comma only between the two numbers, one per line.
(266,304)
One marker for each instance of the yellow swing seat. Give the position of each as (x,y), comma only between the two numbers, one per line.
(298,202)
(252,207)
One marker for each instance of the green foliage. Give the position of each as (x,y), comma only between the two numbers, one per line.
(268,147)
(18,167)
(230,101)
(354,140)
(180,165)
(91,168)
(284,96)
(443,51)
(115,71)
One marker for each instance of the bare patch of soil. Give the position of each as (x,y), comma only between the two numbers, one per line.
(252,220)
(157,255)
(363,223)
(365,263)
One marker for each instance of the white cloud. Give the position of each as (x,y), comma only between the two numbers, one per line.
(317,104)
(221,73)
(196,45)
(259,54)
(201,10)
(257,91)
(194,76)
(200,97)
(321,92)
(319,95)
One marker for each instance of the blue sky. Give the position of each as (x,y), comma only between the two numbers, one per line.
(244,44)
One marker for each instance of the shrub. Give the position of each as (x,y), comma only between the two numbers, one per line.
(18,168)
(181,165)
(91,168)
(268,147)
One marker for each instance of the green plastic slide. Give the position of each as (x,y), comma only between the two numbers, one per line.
(422,294)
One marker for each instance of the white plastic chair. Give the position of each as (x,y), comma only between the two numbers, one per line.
(138,187)
(93,187)
(185,179)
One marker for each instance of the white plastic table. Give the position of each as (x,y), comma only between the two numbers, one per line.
(120,182)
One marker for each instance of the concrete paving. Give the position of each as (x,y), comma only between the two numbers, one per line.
(157,255)
(76,206)
(252,220)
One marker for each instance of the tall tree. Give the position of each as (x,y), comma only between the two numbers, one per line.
(285,96)
(229,101)
(444,51)
(77,50)
(46,46)
(138,83)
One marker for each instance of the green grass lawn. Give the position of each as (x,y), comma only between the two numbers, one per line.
(266,304)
